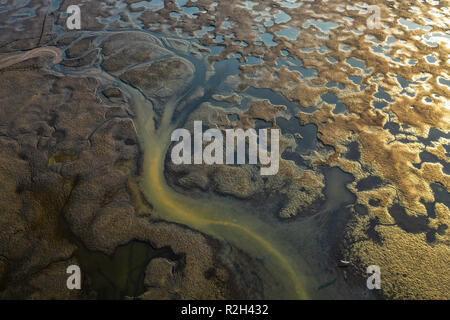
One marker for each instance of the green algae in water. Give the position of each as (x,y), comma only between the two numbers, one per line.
(121,274)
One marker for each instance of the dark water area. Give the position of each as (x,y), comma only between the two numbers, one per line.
(433,135)
(356,79)
(371,231)
(379,104)
(353,152)
(336,191)
(296,65)
(262,124)
(309,141)
(426,156)
(333,99)
(330,97)
(409,223)
(214,85)
(338,85)
(441,194)
(118,275)
(294,156)
(420,223)
(383,95)
(393,127)
(233,117)
(361,209)
(369,183)
(278,99)
(121,274)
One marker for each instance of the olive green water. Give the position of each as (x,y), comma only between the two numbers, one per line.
(120,274)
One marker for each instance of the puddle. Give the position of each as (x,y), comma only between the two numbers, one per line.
(290,33)
(383,95)
(267,38)
(356,63)
(276,99)
(122,274)
(353,152)
(333,99)
(426,156)
(153,5)
(369,183)
(324,26)
(413,26)
(336,191)
(282,17)
(308,142)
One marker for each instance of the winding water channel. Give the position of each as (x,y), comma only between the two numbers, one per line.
(283,247)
